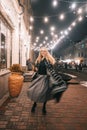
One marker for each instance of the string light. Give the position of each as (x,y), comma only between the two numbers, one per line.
(41,32)
(52,28)
(35,44)
(54,3)
(66,32)
(31,19)
(79,11)
(46,38)
(31,27)
(73,24)
(69,28)
(73,6)
(37,38)
(62,16)
(52,33)
(79,2)
(44,42)
(80,18)
(46,19)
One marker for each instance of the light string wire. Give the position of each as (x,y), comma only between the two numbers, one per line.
(79,2)
(56,15)
(66,1)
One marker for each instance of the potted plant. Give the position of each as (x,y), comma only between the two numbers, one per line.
(15,80)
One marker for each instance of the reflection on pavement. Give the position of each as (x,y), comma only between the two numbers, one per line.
(83,83)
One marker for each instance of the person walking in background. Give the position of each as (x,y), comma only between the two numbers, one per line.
(39,89)
(80,66)
(29,65)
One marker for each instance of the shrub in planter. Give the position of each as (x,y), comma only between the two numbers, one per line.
(15,80)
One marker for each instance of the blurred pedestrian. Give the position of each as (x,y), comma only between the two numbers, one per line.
(29,65)
(80,66)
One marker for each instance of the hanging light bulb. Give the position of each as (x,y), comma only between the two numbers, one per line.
(54,3)
(69,28)
(61,16)
(31,19)
(46,19)
(31,27)
(52,28)
(41,31)
(80,18)
(73,24)
(46,38)
(73,6)
(79,11)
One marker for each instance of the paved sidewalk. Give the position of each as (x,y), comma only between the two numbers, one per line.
(69,114)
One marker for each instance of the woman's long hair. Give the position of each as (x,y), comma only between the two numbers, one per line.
(48,58)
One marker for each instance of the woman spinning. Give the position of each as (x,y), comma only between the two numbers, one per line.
(39,89)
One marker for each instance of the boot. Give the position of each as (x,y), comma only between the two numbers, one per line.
(44,112)
(33,107)
(44,109)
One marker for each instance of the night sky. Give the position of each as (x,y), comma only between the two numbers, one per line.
(42,8)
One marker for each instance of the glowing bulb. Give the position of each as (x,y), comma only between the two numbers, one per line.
(46,38)
(44,42)
(56,36)
(61,32)
(30,27)
(80,18)
(41,32)
(46,19)
(62,17)
(66,32)
(79,11)
(31,19)
(73,24)
(34,44)
(54,3)
(69,28)
(37,38)
(52,28)
(40,44)
(73,6)
(52,33)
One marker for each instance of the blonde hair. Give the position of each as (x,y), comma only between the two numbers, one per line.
(49,57)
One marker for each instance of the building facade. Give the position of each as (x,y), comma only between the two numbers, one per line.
(81,50)
(14,37)
(76,52)
(14,32)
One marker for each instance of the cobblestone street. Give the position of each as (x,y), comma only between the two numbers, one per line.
(69,114)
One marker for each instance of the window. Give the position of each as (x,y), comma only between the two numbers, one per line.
(81,54)
(5,44)
(78,54)
(3,52)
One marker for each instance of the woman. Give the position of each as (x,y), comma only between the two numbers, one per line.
(39,89)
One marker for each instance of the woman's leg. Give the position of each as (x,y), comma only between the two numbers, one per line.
(44,108)
(33,107)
